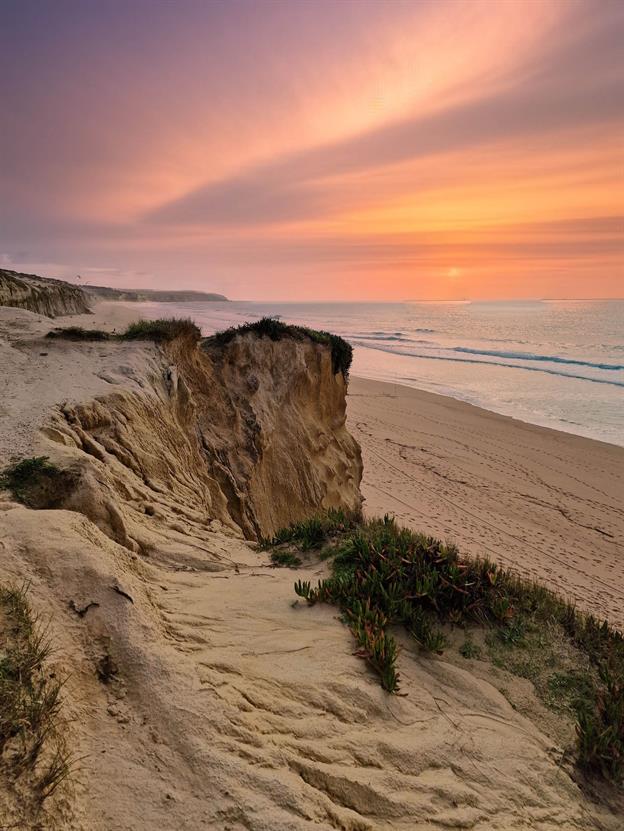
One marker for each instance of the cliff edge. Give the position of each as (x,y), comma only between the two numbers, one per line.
(41,295)
(251,437)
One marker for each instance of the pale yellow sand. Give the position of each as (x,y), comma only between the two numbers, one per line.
(236,707)
(547,503)
(37,374)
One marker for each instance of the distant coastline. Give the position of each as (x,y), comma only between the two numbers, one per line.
(53,297)
(139,295)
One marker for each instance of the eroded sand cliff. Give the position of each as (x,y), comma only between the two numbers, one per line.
(197,694)
(43,296)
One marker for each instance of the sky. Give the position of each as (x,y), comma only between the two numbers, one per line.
(316,150)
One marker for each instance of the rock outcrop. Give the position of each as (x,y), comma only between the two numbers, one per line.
(41,295)
(252,437)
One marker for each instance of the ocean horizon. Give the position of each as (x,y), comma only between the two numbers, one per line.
(554,363)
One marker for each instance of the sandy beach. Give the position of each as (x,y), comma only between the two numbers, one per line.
(547,503)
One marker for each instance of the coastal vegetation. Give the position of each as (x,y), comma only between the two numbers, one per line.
(33,756)
(162,329)
(384,576)
(28,478)
(78,333)
(316,531)
(285,559)
(166,329)
(276,330)
(307,535)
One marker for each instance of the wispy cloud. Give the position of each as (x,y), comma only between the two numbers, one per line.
(245,143)
(578,84)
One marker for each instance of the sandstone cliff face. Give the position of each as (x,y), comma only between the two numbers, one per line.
(37,294)
(272,425)
(251,436)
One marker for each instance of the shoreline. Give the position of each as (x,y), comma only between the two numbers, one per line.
(556,410)
(108,314)
(542,501)
(483,409)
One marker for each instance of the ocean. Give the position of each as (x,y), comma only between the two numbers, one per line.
(556,363)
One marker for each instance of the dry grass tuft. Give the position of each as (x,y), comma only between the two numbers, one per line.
(33,757)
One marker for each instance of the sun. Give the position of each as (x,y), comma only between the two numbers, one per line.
(453,272)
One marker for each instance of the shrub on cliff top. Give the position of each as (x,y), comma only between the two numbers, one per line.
(384,575)
(270,327)
(78,333)
(163,329)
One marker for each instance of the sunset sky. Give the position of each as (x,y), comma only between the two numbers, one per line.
(316,150)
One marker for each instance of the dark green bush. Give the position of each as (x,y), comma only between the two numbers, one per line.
(163,329)
(469,649)
(270,327)
(285,559)
(315,531)
(31,475)
(78,333)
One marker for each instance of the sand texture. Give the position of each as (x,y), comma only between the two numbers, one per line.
(198,693)
(547,503)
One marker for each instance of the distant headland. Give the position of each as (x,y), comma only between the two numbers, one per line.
(107,293)
(51,297)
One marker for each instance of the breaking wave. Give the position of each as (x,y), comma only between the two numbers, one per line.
(530,356)
(476,360)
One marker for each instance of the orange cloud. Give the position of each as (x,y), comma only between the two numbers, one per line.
(353,150)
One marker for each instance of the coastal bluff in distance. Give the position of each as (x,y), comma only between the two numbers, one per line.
(155,295)
(41,295)
(54,298)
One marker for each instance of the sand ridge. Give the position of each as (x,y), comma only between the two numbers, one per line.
(36,375)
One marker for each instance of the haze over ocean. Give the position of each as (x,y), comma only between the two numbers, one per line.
(556,363)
